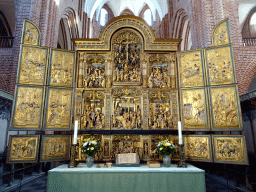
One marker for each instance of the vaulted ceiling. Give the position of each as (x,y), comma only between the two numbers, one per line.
(117,6)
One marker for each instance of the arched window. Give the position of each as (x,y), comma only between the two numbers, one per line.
(148,17)
(103,17)
(253,19)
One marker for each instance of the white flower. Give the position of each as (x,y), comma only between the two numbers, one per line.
(88,149)
(158,145)
(94,142)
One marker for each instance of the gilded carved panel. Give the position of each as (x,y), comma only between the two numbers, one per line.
(28,108)
(55,148)
(160,114)
(31,34)
(225,108)
(198,148)
(94,71)
(230,149)
(220,65)
(61,67)
(159,75)
(32,65)
(194,109)
(191,68)
(127,48)
(221,34)
(23,149)
(58,109)
(126,108)
(93,114)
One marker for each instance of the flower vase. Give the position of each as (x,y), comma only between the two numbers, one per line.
(167,161)
(89,161)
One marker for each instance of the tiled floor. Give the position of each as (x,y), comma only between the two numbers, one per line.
(213,184)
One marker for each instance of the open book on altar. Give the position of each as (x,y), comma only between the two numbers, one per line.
(128,159)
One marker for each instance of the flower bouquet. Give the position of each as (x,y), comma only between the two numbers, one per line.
(166,148)
(89,148)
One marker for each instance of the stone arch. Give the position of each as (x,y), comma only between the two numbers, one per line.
(126,12)
(247,77)
(154,4)
(110,12)
(141,13)
(246,30)
(68,29)
(62,37)
(5,29)
(181,29)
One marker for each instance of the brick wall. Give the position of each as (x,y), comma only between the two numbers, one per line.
(5,72)
(245,60)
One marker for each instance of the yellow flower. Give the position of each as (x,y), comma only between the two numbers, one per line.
(95,143)
(161,149)
(95,140)
(92,148)
(165,145)
(84,140)
(171,142)
(89,139)
(165,141)
(159,142)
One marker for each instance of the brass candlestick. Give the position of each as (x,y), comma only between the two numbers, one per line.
(73,162)
(182,162)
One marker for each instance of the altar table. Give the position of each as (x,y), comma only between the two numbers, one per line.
(126,179)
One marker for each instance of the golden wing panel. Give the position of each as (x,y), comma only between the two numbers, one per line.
(32,65)
(55,148)
(225,108)
(62,65)
(194,109)
(220,65)
(198,147)
(23,149)
(220,34)
(230,149)
(58,109)
(31,34)
(27,110)
(191,68)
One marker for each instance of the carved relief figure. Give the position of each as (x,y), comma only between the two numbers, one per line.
(197,147)
(194,108)
(95,72)
(224,105)
(32,67)
(127,113)
(28,107)
(127,49)
(62,68)
(220,65)
(191,72)
(229,149)
(158,72)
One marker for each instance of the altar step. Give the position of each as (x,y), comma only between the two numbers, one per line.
(19,184)
(220,184)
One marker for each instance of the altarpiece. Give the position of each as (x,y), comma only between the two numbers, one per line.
(128,89)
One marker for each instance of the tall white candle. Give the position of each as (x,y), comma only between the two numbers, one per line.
(180,133)
(75,133)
